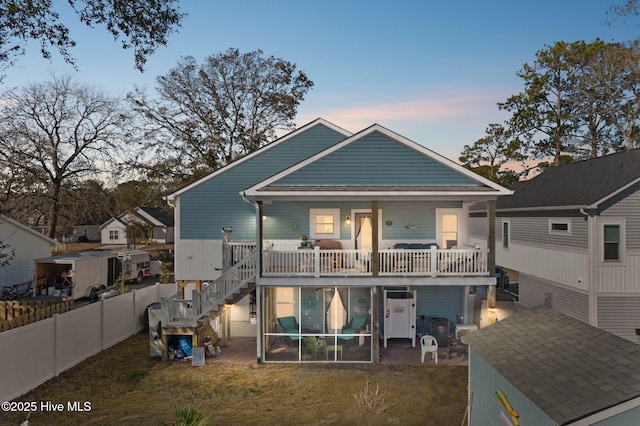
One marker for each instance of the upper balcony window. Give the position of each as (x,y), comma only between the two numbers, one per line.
(324,223)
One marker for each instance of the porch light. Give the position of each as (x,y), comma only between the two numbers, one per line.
(264,218)
(347,219)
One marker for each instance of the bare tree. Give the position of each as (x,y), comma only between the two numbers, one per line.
(57,133)
(210,114)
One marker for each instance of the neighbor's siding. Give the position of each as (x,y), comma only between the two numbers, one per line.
(216,203)
(619,315)
(533,291)
(570,269)
(27,246)
(376,150)
(534,231)
(625,205)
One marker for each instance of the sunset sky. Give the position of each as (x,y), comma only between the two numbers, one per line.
(431,71)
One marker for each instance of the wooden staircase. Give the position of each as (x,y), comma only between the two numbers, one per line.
(234,284)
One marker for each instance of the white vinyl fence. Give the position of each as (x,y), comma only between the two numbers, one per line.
(37,352)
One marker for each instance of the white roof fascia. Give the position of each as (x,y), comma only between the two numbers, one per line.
(607,413)
(277,142)
(148,217)
(252,191)
(28,229)
(614,193)
(276,194)
(536,209)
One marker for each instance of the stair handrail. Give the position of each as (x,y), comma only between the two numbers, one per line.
(228,283)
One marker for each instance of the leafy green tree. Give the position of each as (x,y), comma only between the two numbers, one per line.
(141,25)
(545,113)
(207,115)
(490,155)
(611,84)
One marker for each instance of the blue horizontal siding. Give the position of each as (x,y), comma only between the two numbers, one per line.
(216,203)
(290,219)
(438,302)
(376,159)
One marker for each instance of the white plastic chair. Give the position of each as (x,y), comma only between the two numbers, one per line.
(429,344)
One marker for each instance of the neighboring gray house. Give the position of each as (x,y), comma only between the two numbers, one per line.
(385,221)
(27,245)
(159,223)
(573,234)
(552,369)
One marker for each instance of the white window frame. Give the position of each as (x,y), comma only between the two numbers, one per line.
(559,221)
(114,233)
(463,233)
(505,244)
(312,223)
(623,243)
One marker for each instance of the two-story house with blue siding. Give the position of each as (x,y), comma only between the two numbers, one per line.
(347,239)
(573,234)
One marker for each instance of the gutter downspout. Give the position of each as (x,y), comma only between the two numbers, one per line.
(592,262)
(258,207)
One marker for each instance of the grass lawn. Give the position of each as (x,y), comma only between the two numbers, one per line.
(126,387)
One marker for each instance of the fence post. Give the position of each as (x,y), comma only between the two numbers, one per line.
(56,334)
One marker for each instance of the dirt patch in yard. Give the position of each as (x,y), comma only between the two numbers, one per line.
(125,386)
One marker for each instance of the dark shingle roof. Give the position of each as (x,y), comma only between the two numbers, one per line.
(582,183)
(159,214)
(547,355)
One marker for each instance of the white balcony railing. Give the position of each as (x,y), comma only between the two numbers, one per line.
(185,313)
(392,262)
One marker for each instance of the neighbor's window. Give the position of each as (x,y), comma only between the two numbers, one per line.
(113,235)
(324,223)
(611,242)
(559,226)
(505,234)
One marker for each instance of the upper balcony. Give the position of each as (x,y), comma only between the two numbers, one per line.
(433,262)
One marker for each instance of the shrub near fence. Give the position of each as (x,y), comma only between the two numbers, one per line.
(16,313)
(40,351)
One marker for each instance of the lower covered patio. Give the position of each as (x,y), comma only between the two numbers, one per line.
(317,324)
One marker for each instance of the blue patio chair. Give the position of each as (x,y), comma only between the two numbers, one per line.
(357,323)
(290,326)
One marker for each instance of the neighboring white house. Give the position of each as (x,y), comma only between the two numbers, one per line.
(159,223)
(573,235)
(113,231)
(27,245)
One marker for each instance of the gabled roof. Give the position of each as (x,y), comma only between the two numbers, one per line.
(352,175)
(317,122)
(583,184)
(566,367)
(27,229)
(157,214)
(113,219)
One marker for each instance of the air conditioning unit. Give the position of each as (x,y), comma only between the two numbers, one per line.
(464,329)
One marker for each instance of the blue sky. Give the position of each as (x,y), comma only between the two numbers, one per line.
(432,71)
